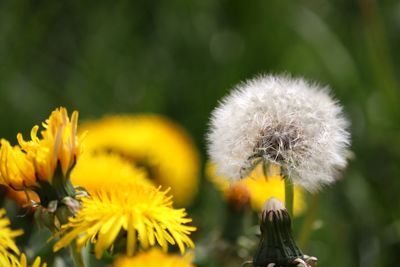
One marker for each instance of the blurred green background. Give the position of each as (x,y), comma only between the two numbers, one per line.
(178,58)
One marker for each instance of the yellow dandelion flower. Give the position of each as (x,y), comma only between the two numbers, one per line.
(16,170)
(98,170)
(154,142)
(59,144)
(256,187)
(8,248)
(143,214)
(154,258)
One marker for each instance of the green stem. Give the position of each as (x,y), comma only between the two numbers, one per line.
(308,221)
(289,195)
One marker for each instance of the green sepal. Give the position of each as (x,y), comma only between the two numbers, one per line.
(277,244)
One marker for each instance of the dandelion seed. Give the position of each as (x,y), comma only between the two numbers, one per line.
(282,120)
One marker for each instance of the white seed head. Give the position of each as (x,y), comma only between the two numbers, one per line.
(282,120)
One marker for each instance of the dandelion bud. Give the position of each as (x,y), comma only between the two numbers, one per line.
(277,246)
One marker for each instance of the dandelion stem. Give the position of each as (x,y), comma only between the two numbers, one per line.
(308,221)
(289,195)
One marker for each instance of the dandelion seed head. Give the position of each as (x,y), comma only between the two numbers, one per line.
(283,120)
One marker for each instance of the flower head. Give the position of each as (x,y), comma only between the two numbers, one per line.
(97,170)
(255,189)
(59,144)
(286,121)
(153,142)
(8,248)
(142,213)
(154,258)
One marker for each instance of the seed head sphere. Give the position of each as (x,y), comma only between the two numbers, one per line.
(282,120)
